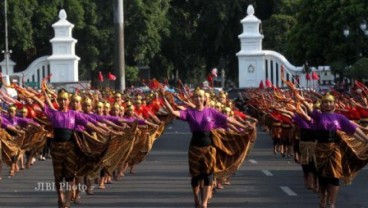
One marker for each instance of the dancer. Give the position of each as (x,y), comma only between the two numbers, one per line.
(329,155)
(63,147)
(201,151)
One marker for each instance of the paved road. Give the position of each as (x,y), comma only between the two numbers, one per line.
(162,180)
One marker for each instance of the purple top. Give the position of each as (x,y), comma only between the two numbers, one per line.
(4,123)
(204,120)
(89,118)
(132,119)
(16,121)
(333,122)
(302,123)
(114,119)
(66,120)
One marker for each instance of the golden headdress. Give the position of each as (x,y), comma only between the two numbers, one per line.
(222,94)
(100,104)
(116,106)
(328,97)
(213,103)
(130,108)
(63,94)
(107,105)
(317,104)
(24,110)
(226,110)
(76,97)
(12,108)
(87,100)
(199,91)
(117,95)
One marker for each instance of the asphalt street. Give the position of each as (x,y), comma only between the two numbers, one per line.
(264,180)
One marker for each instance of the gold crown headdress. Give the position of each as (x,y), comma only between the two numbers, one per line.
(199,91)
(100,104)
(317,104)
(63,94)
(116,106)
(328,97)
(130,108)
(12,108)
(87,101)
(118,95)
(226,110)
(76,97)
(24,110)
(107,105)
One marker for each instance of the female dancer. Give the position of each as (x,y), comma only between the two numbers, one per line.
(201,151)
(19,123)
(63,147)
(329,155)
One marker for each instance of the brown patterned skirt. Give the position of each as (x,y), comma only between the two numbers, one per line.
(231,150)
(64,160)
(341,159)
(307,152)
(202,160)
(224,157)
(9,146)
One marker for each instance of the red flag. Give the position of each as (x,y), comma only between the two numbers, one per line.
(315,76)
(261,86)
(111,77)
(210,80)
(307,76)
(268,83)
(100,77)
(154,84)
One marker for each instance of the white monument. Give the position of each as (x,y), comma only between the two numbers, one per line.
(250,56)
(63,61)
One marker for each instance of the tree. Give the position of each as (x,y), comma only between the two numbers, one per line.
(276,30)
(317,36)
(359,70)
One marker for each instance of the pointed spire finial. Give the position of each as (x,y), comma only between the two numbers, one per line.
(62,15)
(250,10)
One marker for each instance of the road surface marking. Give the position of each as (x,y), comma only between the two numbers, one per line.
(267,172)
(253,161)
(288,191)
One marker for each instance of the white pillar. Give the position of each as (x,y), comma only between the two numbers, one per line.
(63,61)
(251,56)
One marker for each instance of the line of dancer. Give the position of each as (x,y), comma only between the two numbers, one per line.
(325,133)
(95,136)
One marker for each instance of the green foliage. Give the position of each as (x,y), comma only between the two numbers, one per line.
(145,24)
(131,73)
(189,36)
(359,69)
(276,30)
